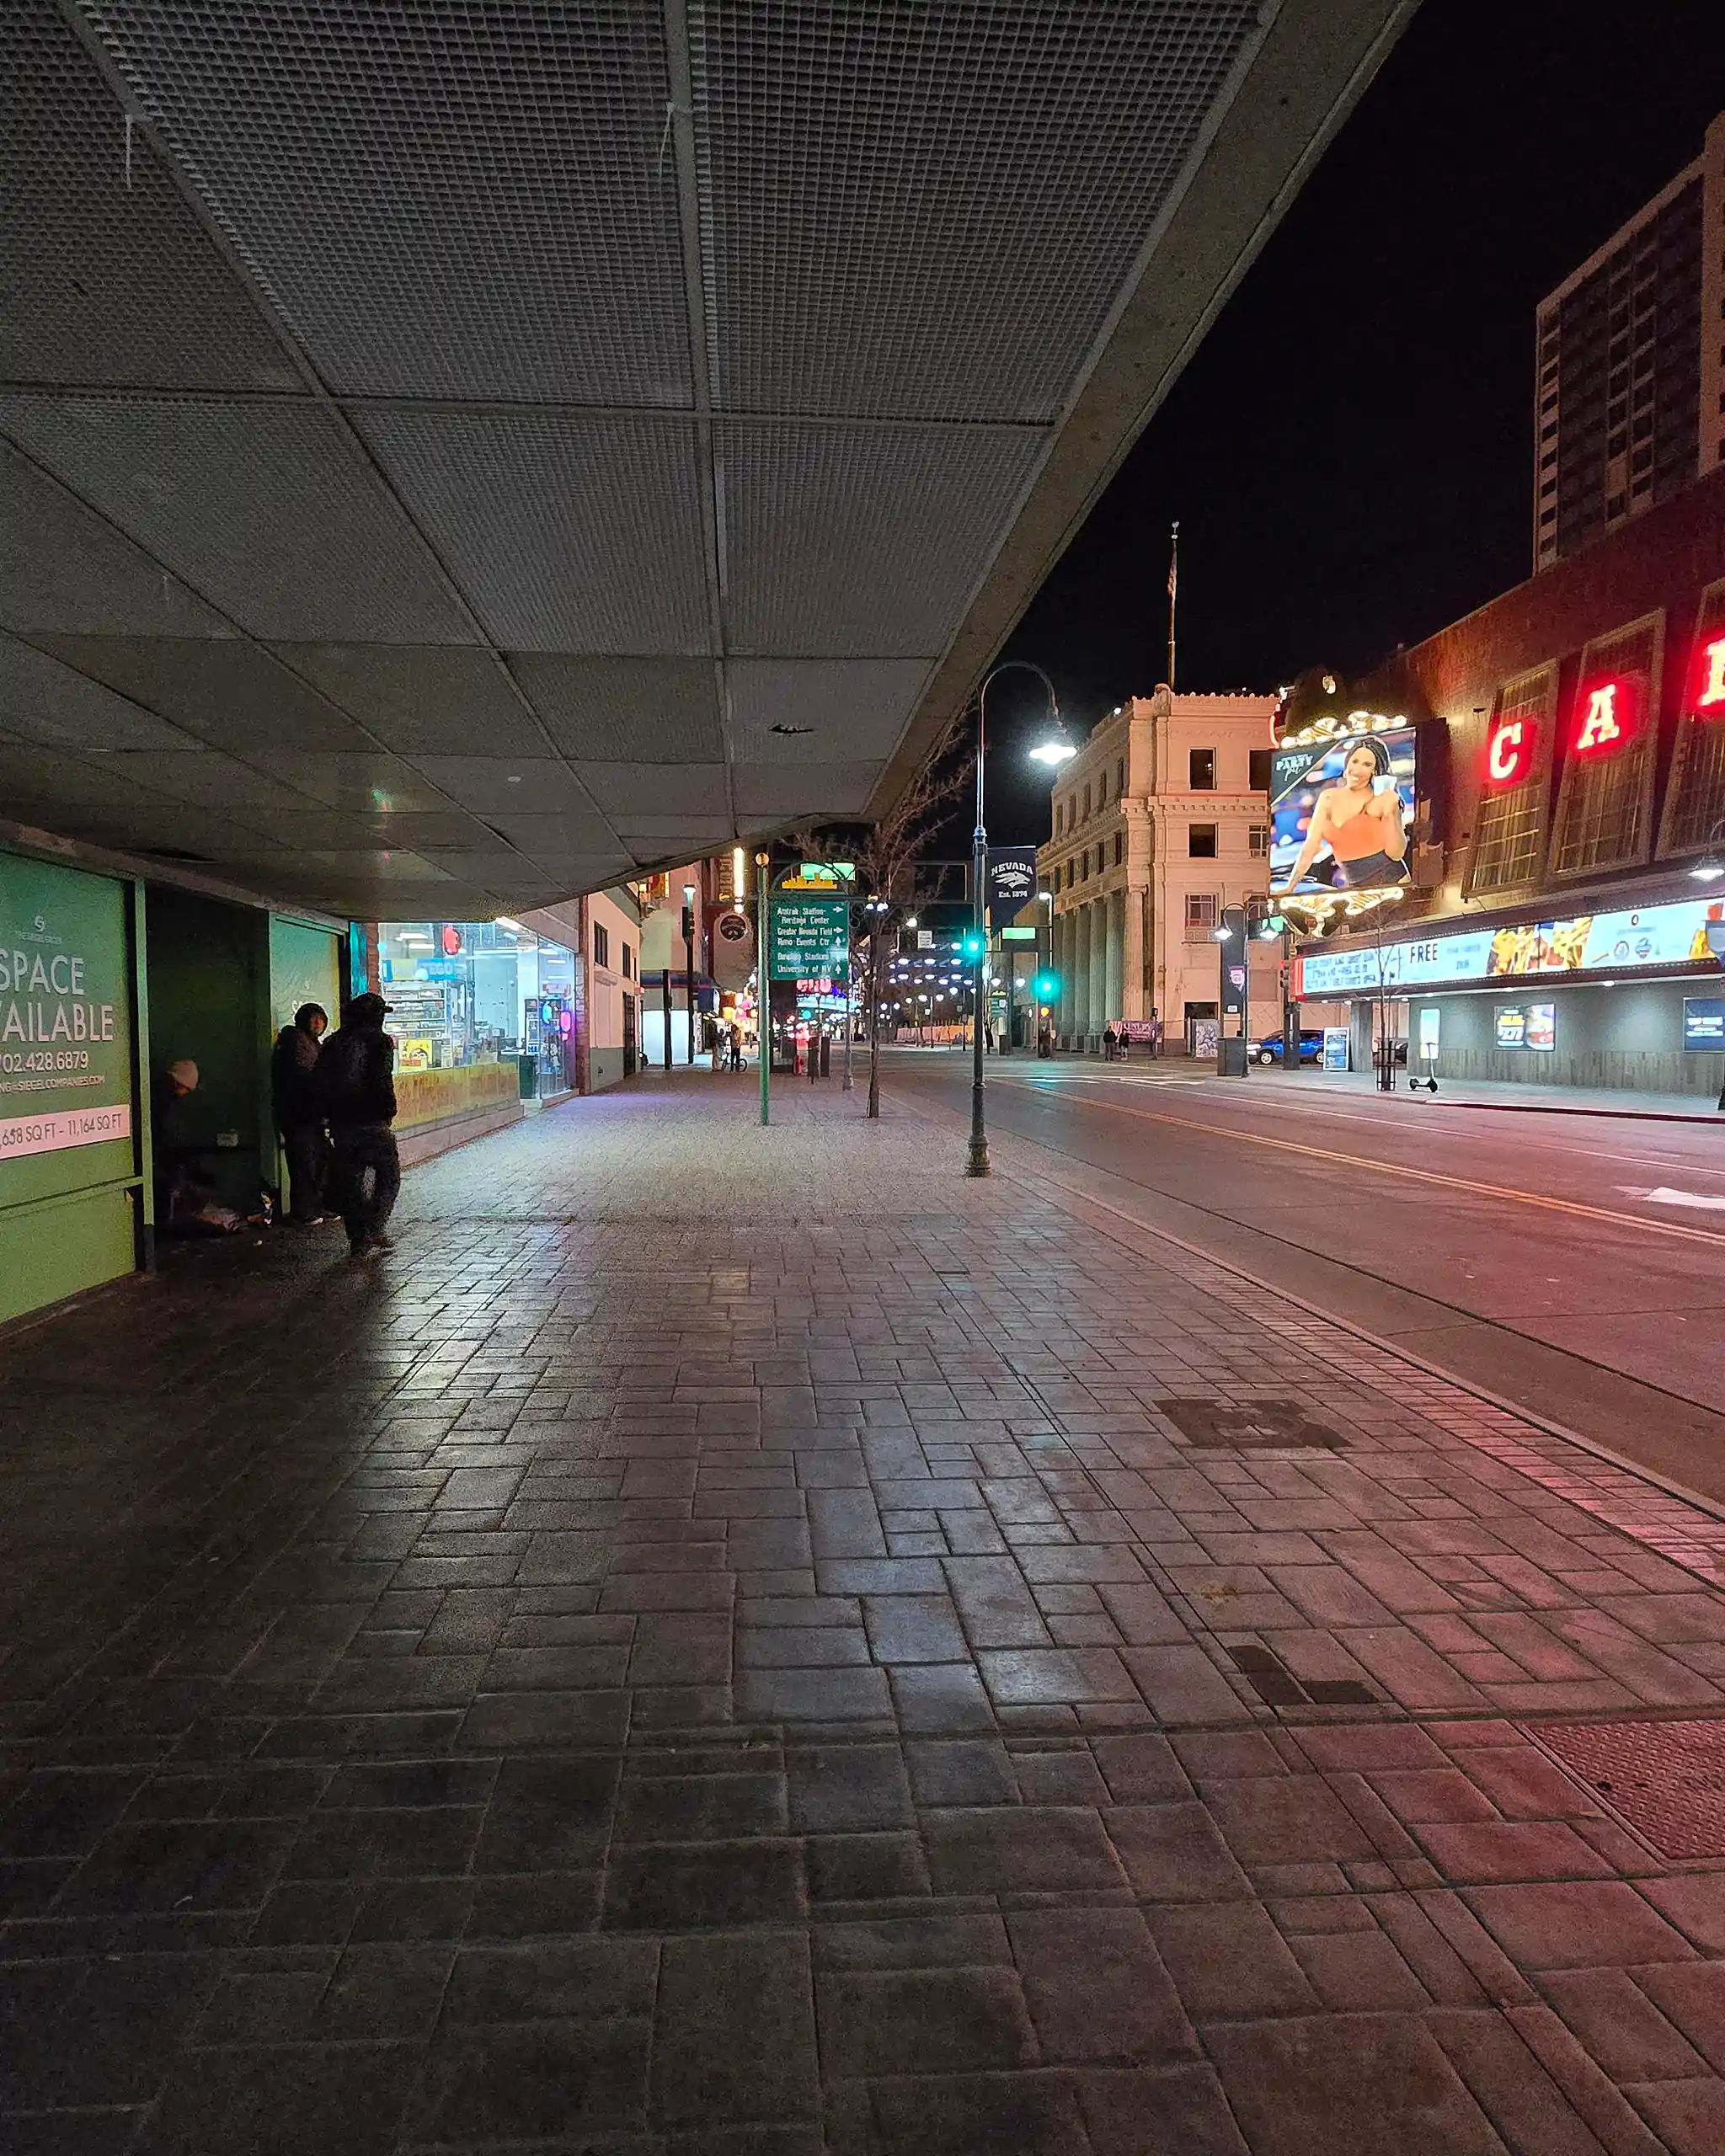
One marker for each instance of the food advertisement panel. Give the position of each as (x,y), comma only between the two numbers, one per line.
(1340,810)
(1615,942)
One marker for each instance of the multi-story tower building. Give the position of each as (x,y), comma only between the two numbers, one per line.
(1159,820)
(1629,402)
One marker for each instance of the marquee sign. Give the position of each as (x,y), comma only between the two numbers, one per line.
(1608,716)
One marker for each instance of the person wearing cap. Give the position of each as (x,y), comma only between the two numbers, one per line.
(357,1089)
(187,1202)
(299,1112)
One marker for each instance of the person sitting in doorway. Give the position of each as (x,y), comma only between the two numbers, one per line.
(299,1114)
(186,1199)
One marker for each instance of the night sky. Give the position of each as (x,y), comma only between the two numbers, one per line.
(1349,453)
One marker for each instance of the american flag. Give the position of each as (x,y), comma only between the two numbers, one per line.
(1173,561)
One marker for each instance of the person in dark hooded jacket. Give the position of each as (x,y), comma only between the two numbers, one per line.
(356,1084)
(299,1112)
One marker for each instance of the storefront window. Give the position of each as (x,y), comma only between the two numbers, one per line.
(466,992)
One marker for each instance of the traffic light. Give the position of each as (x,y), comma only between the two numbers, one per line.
(972,946)
(1046,987)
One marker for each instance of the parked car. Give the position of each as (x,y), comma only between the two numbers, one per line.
(1312,1047)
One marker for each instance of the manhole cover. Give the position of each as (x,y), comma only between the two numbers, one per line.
(1250,1425)
(1664,1779)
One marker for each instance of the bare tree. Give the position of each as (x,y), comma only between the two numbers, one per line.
(888,869)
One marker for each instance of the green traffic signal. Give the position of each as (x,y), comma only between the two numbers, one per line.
(972,944)
(1046,987)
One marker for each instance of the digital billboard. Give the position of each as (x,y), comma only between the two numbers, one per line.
(1340,810)
(1672,934)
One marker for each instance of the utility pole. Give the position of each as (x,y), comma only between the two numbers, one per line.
(689,960)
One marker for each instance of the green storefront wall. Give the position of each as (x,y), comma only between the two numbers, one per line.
(101,984)
(73,1143)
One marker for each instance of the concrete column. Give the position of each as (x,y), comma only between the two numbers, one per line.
(1065,946)
(1134,1002)
(1081,974)
(1098,911)
(1116,986)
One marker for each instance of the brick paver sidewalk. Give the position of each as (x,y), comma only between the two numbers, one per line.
(744,1644)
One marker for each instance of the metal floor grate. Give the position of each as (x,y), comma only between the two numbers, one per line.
(1664,1779)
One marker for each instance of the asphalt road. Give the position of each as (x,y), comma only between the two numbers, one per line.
(1575,1266)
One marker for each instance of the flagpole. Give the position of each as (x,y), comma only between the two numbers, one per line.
(1173,585)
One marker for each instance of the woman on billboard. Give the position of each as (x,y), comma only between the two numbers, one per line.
(1359,819)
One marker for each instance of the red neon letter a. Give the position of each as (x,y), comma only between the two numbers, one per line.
(1601,725)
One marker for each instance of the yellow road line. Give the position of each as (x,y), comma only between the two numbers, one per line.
(1391,1168)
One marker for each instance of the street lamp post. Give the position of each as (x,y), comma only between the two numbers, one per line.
(689,955)
(1053,751)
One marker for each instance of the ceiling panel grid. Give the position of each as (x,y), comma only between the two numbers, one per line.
(268,509)
(656,711)
(463,199)
(566,532)
(107,278)
(860,542)
(929,208)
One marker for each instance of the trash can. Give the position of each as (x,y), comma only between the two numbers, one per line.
(527,1069)
(1231,1056)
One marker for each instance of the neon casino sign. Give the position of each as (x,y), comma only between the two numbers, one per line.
(1710,693)
(1607,717)
(1509,750)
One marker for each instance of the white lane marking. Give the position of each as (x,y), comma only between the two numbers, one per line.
(1663,1197)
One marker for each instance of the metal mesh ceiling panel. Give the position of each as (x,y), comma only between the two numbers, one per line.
(850,708)
(645,792)
(552,838)
(805,789)
(268,509)
(422,698)
(460,200)
(364,783)
(861,541)
(505,786)
(107,279)
(225,691)
(626,710)
(566,533)
(62,567)
(40,700)
(930,207)
(207,779)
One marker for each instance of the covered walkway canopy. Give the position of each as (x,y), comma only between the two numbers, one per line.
(457,454)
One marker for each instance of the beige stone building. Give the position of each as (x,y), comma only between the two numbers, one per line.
(1160,820)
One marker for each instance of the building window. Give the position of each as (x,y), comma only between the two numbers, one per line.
(628,962)
(1119,848)
(1087,804)
(1200,915)
(1259,839)
(1120,768)
(602,944)
(1201,841)
(1101,791)
(1202,763)
(1258,776)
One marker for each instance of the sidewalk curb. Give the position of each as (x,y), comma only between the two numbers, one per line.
(1535,1107)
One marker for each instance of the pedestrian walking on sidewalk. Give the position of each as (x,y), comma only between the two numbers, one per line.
(299,1112)
(1110,1044)
(356,1083)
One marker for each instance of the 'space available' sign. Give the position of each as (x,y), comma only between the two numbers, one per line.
(65,1038)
